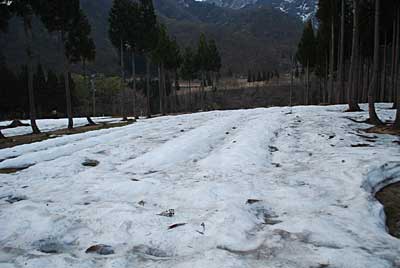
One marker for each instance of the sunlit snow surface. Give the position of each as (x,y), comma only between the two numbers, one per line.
(316,207)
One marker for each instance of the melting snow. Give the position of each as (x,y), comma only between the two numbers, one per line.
(310,191)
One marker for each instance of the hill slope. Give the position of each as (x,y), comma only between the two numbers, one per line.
(257,37)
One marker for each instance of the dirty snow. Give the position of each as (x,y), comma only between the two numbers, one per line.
(46,125)
(312,193)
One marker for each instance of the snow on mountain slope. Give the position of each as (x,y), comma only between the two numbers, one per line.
(303,9)
(276,187)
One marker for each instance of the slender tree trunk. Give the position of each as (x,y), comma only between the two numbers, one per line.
(164,87)
(291,82)
(340,98)
(202,90)
(394,54)
(373,117)
(190,97)
(67,85)
(134,82)
(396,68)
(308,83)
(332,61)
(123,112)
(383,91)
(148,108)
(86,83)
(32,105)
(160,89)
(353,105)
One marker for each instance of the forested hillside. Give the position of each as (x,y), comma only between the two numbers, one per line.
(262,37)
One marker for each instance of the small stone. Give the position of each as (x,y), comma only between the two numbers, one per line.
(101,249)
(252,201)
(142,203)
(15,199)
(50,248)
(173,226)
(90,163)
(167,213)
(273,149)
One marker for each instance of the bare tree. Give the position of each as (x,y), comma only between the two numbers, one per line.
(373,117)
(352,100)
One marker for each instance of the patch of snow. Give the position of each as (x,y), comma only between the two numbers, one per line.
(314,192)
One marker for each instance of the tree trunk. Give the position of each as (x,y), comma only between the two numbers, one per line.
(32,105)
(291,83)
(332,61)
(134,82)
(307,83)
(340,98)
(373,117)
(86,83)
(164,87)
(396,73)
(190,97)
(394,54)
(383,91)
(148,108)
(160,90)
(353,105)
(202,91)
(67,85)
(123,112)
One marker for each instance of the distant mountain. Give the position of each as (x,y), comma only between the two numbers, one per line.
(304,9)
(255,37)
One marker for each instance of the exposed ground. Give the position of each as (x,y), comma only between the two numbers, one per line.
(390,198)
(277,187)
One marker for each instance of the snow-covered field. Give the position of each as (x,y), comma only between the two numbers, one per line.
(52,124)
(315,192)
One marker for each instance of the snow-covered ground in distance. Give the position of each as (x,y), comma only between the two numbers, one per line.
(315,190)
(46,125)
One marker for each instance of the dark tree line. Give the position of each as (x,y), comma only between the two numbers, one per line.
(149,39)
(353,54)
(67,20)
(133,30)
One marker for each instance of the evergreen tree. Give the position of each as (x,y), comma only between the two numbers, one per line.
(81,48)
(134,35)
(306,52)
(40,88)
(26,9)
(119,19)
(148,41)
(160,56)
(188,70)
(60,16)
(202,63)
(214,62)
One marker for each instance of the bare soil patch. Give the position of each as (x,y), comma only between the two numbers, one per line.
(390,199)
